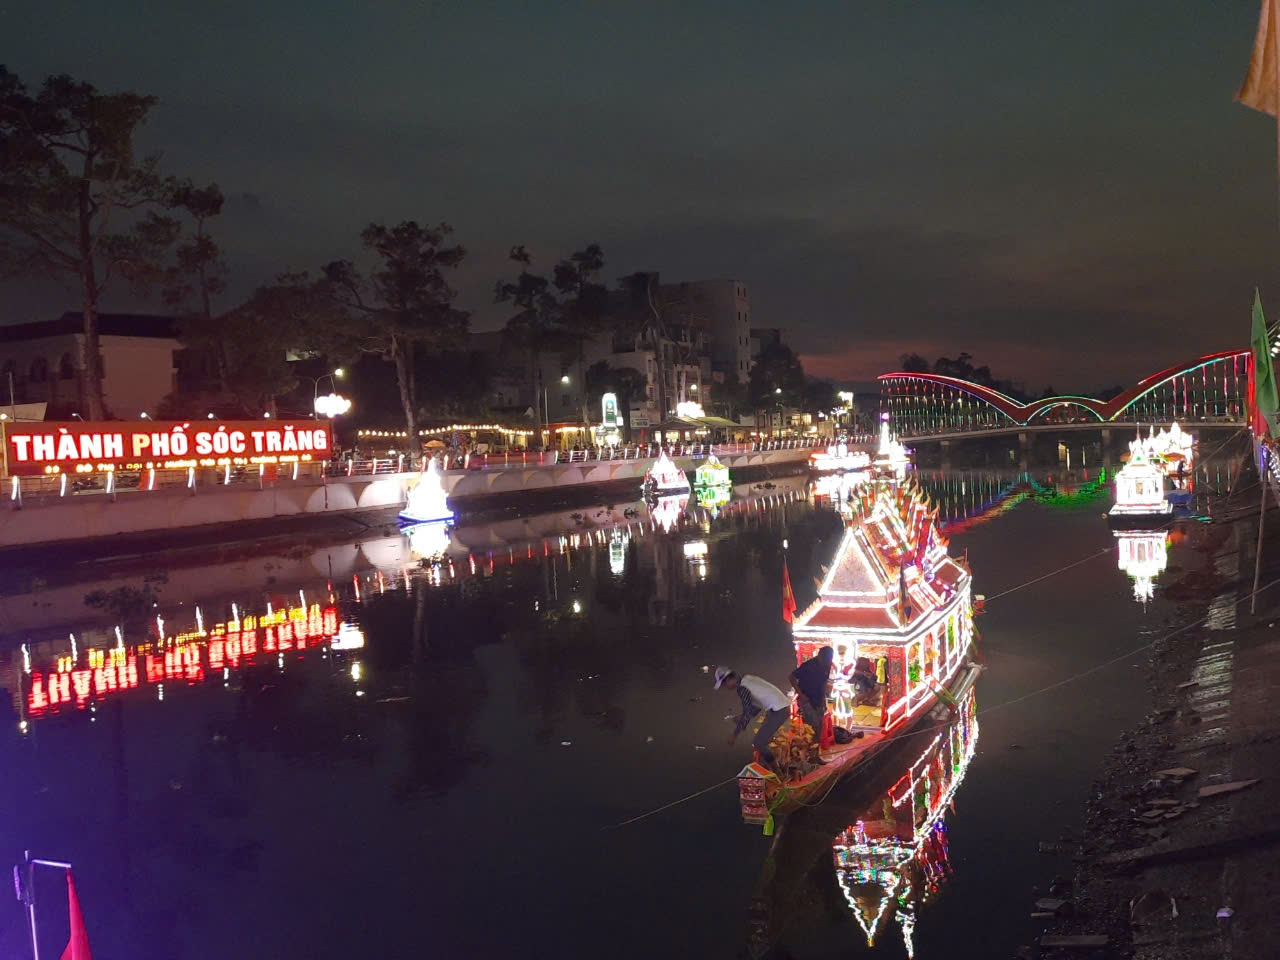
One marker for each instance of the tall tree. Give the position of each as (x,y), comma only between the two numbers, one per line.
(913,363)
(536,329)
(642,308)
(198,275)
(400,309)
(584,313)
(76,204)
(777,379)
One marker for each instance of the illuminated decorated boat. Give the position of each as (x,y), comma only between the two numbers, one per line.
(838,458)
(665,478)
(428,502)
(1172,449)
(897,610)
(892,456)
(887,844)
(1143,555)
(711,473)
(1140,498)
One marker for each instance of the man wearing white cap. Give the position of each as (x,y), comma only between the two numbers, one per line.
(756,695)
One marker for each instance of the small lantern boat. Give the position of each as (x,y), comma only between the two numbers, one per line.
(664,478)
(711,473)
(428,502)
(898,612)
(838,458)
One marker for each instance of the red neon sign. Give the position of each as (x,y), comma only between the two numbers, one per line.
(34,449)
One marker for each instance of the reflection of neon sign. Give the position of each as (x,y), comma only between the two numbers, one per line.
(186,658)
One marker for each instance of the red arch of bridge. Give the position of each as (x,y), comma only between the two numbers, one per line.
(1105,410)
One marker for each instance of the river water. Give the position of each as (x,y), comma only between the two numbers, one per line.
(453,775)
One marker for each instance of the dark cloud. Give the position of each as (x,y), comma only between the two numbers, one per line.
(1067,190)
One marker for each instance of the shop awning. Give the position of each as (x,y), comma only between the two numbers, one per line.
(721,423)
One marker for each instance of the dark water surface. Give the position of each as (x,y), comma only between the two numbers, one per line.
(453,785)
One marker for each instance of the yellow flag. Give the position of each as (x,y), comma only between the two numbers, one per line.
(1261,89)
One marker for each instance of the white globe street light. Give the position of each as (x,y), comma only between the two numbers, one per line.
(332,405)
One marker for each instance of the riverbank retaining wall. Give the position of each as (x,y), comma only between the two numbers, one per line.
(83,517)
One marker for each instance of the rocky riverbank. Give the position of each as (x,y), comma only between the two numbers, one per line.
(1178,856)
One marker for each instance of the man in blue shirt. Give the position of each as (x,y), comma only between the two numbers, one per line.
(756,695)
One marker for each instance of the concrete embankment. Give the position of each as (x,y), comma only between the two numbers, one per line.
(233,510)
(1181,855)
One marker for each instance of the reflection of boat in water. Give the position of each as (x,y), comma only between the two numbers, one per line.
(897,610)
(427,500)
(1143,555)
(664,478)
(665,512)
(885,838)
(713,498)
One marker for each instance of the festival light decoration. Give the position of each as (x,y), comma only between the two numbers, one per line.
(711,473)
(839,457)
(427,502)
(1140,488)
(1170,448)
(893,603)
(665,478)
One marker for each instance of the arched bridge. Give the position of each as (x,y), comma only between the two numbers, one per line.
(1210,389)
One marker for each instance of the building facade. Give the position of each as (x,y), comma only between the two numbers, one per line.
(137,359)
(722,308)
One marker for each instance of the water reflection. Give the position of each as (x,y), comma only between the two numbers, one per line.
(1143,555)
(889,855)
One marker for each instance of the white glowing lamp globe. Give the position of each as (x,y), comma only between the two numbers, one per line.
(332,405)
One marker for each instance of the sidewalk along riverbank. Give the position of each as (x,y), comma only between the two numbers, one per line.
(27,520)
(1181,852)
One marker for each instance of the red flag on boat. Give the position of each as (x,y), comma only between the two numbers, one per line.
(788,598)
(78,944)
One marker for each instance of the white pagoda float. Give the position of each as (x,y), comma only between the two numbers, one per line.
(1140,498)
(664,478)
(891,456)
(1143,555)
(428,502)
(838,457)
(1170,448)
(897,611)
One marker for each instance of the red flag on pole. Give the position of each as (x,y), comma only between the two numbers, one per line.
(788,598)
(78,944)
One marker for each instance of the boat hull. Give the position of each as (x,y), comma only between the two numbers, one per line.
(784,798)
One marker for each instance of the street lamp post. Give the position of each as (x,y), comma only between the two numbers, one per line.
(336,374)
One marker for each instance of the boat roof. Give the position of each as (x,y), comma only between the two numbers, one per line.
(891,545)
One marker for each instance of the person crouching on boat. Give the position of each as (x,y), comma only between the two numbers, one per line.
(756,695)
(811,682)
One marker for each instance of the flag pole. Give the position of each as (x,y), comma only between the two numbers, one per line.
(1265,470)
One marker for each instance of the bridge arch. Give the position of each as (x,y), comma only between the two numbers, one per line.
(1212,388)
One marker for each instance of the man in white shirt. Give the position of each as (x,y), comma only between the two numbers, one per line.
(756,695)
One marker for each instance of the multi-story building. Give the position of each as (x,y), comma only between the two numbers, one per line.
(137,359)
(722,308)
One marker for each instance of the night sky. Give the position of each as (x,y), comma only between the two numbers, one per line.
(1066,190)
